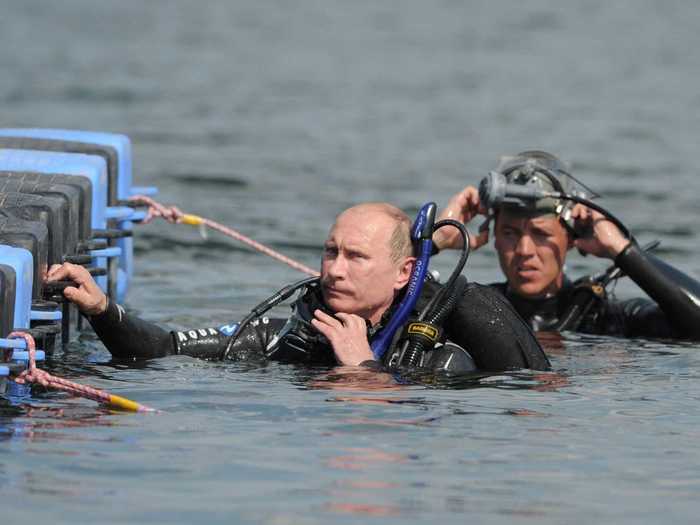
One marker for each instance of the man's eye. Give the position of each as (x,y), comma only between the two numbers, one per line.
(330,251)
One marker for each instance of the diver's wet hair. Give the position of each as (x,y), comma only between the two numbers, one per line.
(400,242)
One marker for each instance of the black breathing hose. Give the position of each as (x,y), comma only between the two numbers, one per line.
(608,215)
(440,306)
(263,307)
(418,343)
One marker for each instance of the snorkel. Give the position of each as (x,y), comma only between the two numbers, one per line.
(422,235)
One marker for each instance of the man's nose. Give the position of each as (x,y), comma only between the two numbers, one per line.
(337,267)
(525,246)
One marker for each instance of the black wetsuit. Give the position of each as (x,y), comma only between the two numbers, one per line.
(482,322)
(673,312)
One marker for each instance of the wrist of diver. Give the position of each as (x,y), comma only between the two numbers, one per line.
(628,251)
(618,247)
(97,310)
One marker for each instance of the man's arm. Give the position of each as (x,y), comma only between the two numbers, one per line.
(462,207)
(676,294)
(127,336)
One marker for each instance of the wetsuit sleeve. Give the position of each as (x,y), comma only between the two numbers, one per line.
(496,337)
(676,294)
(636,318)
(210,343)
(127,336)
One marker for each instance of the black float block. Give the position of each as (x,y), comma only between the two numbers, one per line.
(46,332)
(49,210)
(8,283)
(69,146)
(32,236)
(78,212)
(82,184)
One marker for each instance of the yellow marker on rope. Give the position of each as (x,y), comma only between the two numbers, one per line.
(195,220)
(127,404)
(192,220)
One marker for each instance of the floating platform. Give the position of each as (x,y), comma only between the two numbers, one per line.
(63,198)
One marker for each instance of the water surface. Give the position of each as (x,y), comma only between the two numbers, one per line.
(271,117)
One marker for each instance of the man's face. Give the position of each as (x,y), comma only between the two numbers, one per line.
(532,251)
(357,273)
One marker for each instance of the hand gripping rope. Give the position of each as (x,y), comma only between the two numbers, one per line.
(174,216)
(35,375)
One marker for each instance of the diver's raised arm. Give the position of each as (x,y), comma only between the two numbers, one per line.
(603,239)
(462,207)
(676,293)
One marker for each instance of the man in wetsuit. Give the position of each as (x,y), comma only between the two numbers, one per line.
(532,240)
(367,262)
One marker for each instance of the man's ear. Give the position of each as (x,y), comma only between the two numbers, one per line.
(404,272)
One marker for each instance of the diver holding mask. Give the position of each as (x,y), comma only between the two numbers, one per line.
(366,275)
(541,211)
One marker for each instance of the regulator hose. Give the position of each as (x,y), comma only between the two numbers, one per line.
(608,215)
(424,333)
(263,307)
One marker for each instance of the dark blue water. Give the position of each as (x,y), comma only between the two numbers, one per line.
(271,117)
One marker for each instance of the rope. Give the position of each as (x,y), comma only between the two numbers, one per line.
(35,375)
(173,215)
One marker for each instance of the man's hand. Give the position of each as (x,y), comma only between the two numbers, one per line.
(87,296)
(606,239)
(463,207)
(347,334)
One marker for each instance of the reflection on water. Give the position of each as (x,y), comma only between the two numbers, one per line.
(354,496)
(33,423)
(271,117)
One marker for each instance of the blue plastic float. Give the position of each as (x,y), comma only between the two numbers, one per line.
(90,170)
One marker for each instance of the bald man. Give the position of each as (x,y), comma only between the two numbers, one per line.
(366,264)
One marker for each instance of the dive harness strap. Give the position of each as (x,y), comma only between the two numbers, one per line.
(585,295)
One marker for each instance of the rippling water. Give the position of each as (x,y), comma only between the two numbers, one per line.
(272,116)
